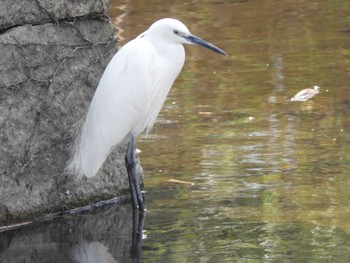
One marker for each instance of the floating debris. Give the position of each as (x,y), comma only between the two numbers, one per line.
(205,113)
(175,181)
(306,94)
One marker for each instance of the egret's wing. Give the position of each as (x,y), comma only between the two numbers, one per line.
(122,95)
(117,106)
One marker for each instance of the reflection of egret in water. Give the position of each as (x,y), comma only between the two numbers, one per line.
(138,221)
(306,94)
(97,252)
(94,252)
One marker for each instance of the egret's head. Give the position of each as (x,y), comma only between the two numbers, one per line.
(173,31)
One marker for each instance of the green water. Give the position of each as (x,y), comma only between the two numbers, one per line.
(271,176)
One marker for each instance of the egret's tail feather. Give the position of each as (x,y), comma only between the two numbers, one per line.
(75,163)
(87,153)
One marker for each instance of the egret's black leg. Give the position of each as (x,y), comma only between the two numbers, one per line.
(130,163)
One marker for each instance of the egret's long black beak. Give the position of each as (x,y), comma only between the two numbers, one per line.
(198,41)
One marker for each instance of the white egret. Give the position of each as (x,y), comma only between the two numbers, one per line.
(129,97)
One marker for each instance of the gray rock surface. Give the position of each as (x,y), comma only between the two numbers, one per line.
(49,72)
(19,12)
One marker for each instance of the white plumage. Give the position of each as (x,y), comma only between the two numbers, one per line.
(131,92)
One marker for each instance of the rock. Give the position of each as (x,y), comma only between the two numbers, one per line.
(20,12)
(49,72)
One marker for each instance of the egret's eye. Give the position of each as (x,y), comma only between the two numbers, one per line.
(176,32)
